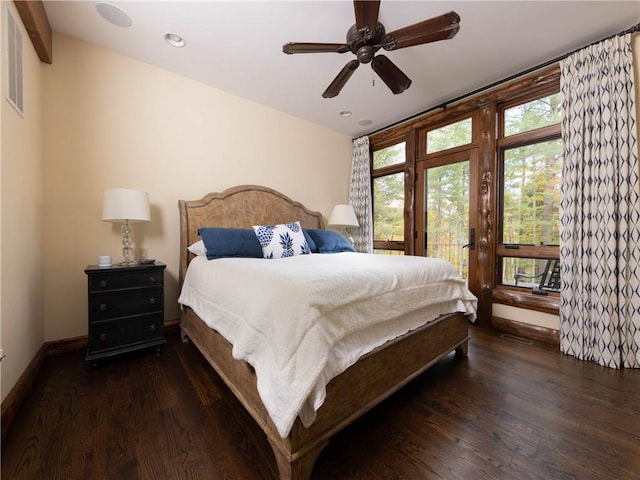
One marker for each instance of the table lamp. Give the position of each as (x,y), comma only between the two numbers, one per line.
(126,206)
(343,216)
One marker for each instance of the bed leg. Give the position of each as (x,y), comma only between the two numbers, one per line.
(183,335)
(461,350)
(301,467)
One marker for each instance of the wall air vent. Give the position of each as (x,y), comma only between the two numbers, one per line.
(13,61)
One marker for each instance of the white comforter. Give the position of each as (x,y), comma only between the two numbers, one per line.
(300,321)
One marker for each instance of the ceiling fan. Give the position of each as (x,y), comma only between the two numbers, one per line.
(368,35)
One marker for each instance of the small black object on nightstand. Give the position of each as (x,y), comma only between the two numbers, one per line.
(126,309)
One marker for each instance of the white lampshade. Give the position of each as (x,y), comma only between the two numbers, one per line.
(123,204)
(343,216)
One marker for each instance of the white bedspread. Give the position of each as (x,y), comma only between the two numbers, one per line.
(300,321)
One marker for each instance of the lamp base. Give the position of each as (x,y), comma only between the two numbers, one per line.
(127,244)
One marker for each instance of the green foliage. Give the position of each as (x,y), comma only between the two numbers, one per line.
(532,194)
(388,207)
(449,136)
(535,114)
(389,156)
(447,213)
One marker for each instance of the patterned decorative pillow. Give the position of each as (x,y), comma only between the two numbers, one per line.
(283,240)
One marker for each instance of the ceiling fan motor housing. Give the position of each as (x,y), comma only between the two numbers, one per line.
(364,43)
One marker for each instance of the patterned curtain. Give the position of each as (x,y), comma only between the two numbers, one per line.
(600,207)
(360,196)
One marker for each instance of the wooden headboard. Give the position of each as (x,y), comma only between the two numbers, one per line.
(238,207)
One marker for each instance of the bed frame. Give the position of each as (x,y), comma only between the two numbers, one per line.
(362,386)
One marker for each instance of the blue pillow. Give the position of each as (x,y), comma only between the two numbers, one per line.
(312,245)
(230,242)
(330,241)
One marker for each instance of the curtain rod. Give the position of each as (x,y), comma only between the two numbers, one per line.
(633,29)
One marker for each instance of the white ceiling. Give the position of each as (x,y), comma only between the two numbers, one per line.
(236,46)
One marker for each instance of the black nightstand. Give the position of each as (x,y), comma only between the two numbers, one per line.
(126,309)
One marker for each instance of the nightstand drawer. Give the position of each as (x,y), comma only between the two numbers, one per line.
(126,332)
(125,303)
(101,283)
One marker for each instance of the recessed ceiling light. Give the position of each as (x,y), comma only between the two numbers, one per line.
(114,15)
(175,40)
(345,113)
(365,122)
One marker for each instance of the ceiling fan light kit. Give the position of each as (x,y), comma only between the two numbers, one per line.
(368,35)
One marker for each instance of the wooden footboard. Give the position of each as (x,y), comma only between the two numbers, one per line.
(365,384)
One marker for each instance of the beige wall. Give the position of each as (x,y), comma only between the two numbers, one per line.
(21,312)
(111,121)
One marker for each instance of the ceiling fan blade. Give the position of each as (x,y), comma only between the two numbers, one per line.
(437,28)
(339,82)
(300,47)
(366,15)
(390,74)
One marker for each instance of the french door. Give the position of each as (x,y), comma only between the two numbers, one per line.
(447,211)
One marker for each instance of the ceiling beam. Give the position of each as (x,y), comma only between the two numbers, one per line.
(35,20)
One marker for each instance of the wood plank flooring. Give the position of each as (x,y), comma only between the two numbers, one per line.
(508,411)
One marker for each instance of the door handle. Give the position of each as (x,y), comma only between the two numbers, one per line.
(472,240)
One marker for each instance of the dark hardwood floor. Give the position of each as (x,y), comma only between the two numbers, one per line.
(508,411)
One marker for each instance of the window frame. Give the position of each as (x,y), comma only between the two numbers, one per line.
(445,122)
(516,294)
(394,169)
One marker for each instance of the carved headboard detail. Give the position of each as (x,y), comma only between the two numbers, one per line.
(238,207)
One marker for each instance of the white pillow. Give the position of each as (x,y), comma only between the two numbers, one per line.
(198,248)
(283,240)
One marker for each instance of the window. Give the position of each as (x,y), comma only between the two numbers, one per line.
(14,62)
(388,199)
(531,115)
(449,136)
(531,188)
(530,155)
(446,212)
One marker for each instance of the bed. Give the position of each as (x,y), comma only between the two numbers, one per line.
(364,384)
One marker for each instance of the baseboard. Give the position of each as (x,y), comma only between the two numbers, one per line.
(24,385)
(526,330)
(21,390)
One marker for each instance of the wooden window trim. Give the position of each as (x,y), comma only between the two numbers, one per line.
(542,134)
(523,298)
(528,251)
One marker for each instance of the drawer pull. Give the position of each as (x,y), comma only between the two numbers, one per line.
(103,283)
(152,327)
(152,301)
(103,337)
(103,307)
(152,279)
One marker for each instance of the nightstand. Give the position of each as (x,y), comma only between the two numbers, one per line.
(126,309)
